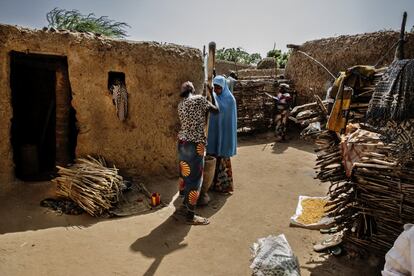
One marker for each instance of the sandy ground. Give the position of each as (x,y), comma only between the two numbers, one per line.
(268,181)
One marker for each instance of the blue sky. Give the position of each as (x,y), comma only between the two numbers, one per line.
(253,25)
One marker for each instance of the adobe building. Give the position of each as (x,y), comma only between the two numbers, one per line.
(55,102)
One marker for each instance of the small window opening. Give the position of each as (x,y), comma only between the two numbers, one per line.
(118,90)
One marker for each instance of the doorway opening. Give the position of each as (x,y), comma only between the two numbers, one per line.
(43,132)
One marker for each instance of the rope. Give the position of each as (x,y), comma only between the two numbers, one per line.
(386,53)
(319,63)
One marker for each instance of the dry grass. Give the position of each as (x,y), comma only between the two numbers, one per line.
(91,184)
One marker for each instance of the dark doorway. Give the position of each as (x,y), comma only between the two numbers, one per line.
(43,132)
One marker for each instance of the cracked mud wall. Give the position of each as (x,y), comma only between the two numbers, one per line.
(338,54)
(146,142)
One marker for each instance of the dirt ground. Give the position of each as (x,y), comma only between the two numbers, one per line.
(268,180)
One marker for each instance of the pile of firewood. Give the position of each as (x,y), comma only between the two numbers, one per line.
(309,113)
(373,205)
(329,165)
(361,97)
(370,165)
(357,202)
(330,140)
(381,202)
(90,184)
(316,113)
(312,116)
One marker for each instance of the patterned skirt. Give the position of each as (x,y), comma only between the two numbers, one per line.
(281,120)
(223,177)
(191,158)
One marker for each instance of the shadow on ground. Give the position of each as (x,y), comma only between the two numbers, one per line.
(341,265)
(268,139)
(169,236)
(163,240)
(292,142)
(21,211)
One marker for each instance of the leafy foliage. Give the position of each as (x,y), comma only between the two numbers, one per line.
(238,55)
(75,21)
(281,58)
(274,53)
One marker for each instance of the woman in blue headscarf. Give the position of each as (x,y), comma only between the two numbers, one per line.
(222,135)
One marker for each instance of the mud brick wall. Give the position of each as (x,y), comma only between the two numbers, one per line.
(338,54)
(146,141)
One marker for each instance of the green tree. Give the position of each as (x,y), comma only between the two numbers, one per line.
(255,58)
(75,21)
(274,53)
(281,58)
(237,55)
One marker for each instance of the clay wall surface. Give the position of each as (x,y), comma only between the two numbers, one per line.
(224,67)
(146,142)
(338,54)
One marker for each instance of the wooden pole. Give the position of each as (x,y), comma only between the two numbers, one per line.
(399,52)
(211,61)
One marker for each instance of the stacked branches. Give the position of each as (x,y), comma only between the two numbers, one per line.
(329,167)
(362,85)
(371,170)
(362,94)
(384,192)
(312,116)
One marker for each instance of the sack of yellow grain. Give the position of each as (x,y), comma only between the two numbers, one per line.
(310,213)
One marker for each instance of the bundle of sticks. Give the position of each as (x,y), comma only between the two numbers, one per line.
(310,113)
(384,184)
(91,184)
(370,167)
(316,112)
(362,96)
(372,205)
(312,116)
(344,190)
(329,165)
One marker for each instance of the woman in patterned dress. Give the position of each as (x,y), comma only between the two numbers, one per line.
(192,111)
(222,136)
